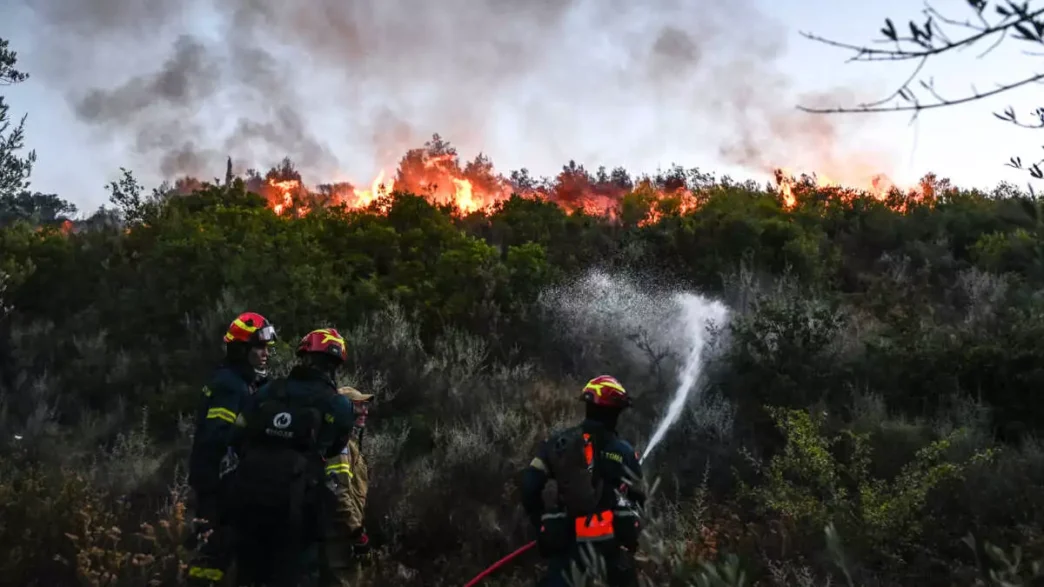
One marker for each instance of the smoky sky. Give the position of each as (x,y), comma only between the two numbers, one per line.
(187,82)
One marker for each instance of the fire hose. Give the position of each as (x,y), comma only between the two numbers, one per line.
(499,564)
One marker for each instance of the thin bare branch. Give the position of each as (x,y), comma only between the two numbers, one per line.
(996,43)
(931,10)
(1010,116)
(918,106)
(864,53)
(867,54)
(897,93)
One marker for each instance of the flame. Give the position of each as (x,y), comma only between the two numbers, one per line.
(286,191)
(877,185)
(435,172)
(378,188)
(464,195)
(65,227)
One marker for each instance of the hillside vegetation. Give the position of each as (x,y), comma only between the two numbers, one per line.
(869,416)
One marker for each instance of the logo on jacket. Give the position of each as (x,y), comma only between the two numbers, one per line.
(282,420)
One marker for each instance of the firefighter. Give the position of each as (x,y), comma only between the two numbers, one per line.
(598,492)
(244,369)
(293,425)
(347,542)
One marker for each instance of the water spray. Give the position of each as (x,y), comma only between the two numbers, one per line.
(696,316)
(603,311)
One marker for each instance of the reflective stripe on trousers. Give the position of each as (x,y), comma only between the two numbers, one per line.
(552,516)
(625,513)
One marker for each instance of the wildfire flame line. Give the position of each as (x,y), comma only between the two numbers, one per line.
(475,186)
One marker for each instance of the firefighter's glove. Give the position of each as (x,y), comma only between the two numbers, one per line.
(361,547)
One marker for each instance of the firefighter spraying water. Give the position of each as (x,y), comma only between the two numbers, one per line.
(598,497)
(594,506)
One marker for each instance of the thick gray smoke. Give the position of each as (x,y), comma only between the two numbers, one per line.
(594,80)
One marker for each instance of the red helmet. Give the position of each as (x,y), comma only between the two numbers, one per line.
(605,390)
(324,340)
(251,328)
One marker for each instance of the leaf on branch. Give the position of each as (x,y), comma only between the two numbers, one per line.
(889,30)
(1021,11)
(1007,116)
(1027,34)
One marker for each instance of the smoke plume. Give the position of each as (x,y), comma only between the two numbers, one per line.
(592,80)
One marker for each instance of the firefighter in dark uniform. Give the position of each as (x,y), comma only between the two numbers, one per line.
(292,428)
(243,370)
(598,494)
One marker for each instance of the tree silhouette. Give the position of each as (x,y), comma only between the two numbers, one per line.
(14,170)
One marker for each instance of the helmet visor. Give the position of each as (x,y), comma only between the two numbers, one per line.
(266,335)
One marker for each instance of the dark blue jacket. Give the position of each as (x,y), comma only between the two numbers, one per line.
(223,399)
(339,411)
(614,458)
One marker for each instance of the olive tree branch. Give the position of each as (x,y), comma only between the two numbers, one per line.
(937,35)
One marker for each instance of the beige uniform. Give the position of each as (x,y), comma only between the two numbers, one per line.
(350,483)
(349,471)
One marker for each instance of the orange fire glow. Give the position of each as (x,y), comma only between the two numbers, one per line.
(285,191)
(475,187)
(878,185)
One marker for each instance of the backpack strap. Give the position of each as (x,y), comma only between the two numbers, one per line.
(589,450)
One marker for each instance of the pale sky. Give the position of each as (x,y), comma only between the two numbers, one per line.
(574,93)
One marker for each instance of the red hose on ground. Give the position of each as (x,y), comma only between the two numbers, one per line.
(499,564)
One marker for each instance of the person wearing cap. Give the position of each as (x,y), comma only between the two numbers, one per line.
(347,478)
